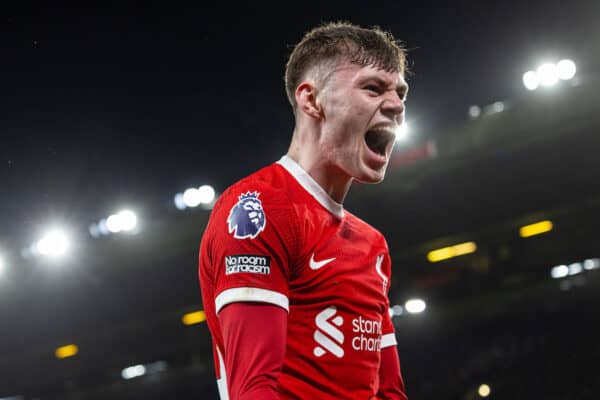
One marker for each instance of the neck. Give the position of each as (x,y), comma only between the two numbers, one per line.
(306,151)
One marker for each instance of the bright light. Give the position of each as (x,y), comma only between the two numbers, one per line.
(193,318)
(560,271)
(102,228)
(484,390)
(133,372)
(191,197)
(531,80)
(498,106)
(591,263)
(2,265)
(396,310)
(451,251)
(575,268)
(206,194)
(535,229)
(415,306)
(402,132)
(69,350)
(179,203)
(474,111)
(128,220)
(113,223)
(53,244)
(123,221)
(547,74)
(566,69)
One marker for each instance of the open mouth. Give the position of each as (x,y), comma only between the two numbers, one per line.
(378,139)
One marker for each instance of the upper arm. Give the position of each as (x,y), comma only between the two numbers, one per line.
(254,336)
(253,246)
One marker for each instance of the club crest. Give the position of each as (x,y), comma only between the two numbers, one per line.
(247,217)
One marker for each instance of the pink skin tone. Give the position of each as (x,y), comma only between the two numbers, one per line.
(332,119)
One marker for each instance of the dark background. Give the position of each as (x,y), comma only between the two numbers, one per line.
(110,107)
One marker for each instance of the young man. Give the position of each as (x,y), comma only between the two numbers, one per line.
(295,288)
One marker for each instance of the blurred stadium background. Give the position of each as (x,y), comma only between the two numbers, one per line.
(493,229)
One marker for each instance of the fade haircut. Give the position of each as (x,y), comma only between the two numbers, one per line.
(335,42)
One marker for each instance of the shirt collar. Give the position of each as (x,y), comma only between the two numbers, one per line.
(311,186)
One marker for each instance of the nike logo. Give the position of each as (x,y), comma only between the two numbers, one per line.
(318,264)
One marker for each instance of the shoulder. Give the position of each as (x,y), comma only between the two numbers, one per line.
(253,203)
(267,187)
(368,230)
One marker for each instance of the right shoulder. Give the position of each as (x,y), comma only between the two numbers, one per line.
(255,207)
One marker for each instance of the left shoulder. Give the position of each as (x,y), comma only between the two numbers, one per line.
(367,229)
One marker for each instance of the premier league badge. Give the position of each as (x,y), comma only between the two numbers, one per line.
(247,218)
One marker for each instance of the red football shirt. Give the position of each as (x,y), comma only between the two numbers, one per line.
(277,237)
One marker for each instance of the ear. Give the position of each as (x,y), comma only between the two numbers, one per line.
(306,98)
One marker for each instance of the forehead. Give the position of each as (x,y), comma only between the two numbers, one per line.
(356,74)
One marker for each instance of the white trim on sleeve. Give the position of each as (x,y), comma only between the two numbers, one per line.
(388,340)
(244,294)
(222,381)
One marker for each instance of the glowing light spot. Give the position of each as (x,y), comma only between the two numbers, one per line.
(402,132)
(67,351)
(531,80)
(194,318)
(484,390)
(535,229)
(547,74)
(53,244)
(133,371)
(415,306)
(566,69)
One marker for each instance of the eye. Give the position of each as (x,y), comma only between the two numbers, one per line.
(373,89)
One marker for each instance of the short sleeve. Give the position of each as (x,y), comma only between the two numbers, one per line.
(250,244)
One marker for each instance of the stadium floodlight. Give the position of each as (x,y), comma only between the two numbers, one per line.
(547,74)
(133,371)
(123,221)
(474,111)
(415,306)
(67,351)
(396,310)
(484,390)
(402,132)
(531,80)
(591,263)
(179,203)
(54,243)
(566,69)
(575,268)
(191,197)
(560,271)
(206,194)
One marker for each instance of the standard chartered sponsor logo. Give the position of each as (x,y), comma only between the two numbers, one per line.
(331,343)
(247,263)
(331,339)
(369,338)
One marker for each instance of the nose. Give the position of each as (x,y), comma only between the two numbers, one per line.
(393,107)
